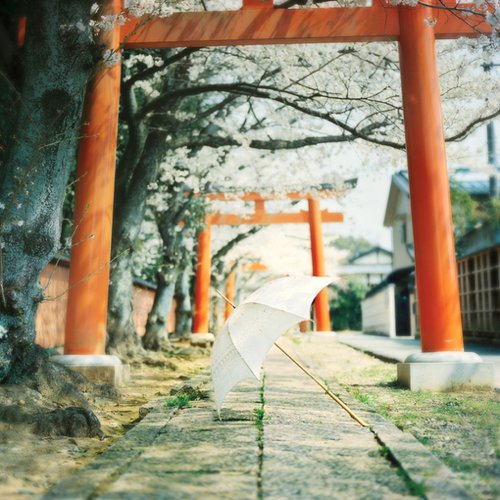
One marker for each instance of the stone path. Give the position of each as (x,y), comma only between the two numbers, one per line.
(304,447)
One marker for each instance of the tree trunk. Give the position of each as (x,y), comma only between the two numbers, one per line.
(129,212)
(183,312)
(35,173)
(124,340)
(156,337)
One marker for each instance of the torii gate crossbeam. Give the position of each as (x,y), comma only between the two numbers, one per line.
(415,28)
(261,24)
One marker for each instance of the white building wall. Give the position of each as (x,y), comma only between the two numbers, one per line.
(402,234)
(379,314)
(375,258)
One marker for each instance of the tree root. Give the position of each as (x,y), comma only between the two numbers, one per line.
(72,421)
(38,389)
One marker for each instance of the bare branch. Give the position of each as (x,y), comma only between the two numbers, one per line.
(471,126)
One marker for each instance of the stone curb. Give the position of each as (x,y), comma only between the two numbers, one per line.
(419,464)
(383,355)
(86,482)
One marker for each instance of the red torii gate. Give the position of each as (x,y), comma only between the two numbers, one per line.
(313,216)
(259,23)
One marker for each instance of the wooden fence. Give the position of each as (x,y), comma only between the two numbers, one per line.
(51,315)
(479,278)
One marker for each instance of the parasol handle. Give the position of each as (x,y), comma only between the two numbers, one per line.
(353,415)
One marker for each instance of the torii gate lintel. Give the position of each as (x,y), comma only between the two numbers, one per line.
(268,25)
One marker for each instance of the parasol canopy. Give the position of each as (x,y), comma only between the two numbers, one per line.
(245,339)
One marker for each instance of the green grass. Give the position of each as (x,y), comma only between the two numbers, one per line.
(262,390)
(180,401)
(384,451)
(415,488)
(259,415)
(363,397)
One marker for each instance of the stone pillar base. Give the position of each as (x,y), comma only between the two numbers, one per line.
(442,371)
(98,368)
(202,339)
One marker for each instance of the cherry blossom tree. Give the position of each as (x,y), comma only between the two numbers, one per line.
(179,219)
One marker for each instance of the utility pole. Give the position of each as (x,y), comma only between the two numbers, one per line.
(492,150)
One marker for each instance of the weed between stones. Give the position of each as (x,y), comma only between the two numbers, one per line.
(259,414)
(181,401)
(414,487)
(181,397)
(259,422)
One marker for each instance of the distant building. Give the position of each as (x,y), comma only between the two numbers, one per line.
(390,308)
(398,211)
(370,267)
(398,218)
(386,307)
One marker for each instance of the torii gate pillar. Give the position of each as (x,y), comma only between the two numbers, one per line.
(321,304)
(85,337)
(230,293)
(201,334)
(442,354)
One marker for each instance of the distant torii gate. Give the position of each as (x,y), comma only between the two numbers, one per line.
(415,28)
(313,216)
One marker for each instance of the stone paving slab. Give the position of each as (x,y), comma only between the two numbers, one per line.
(306,448)
(196,456)
(83,483)
(313,449)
